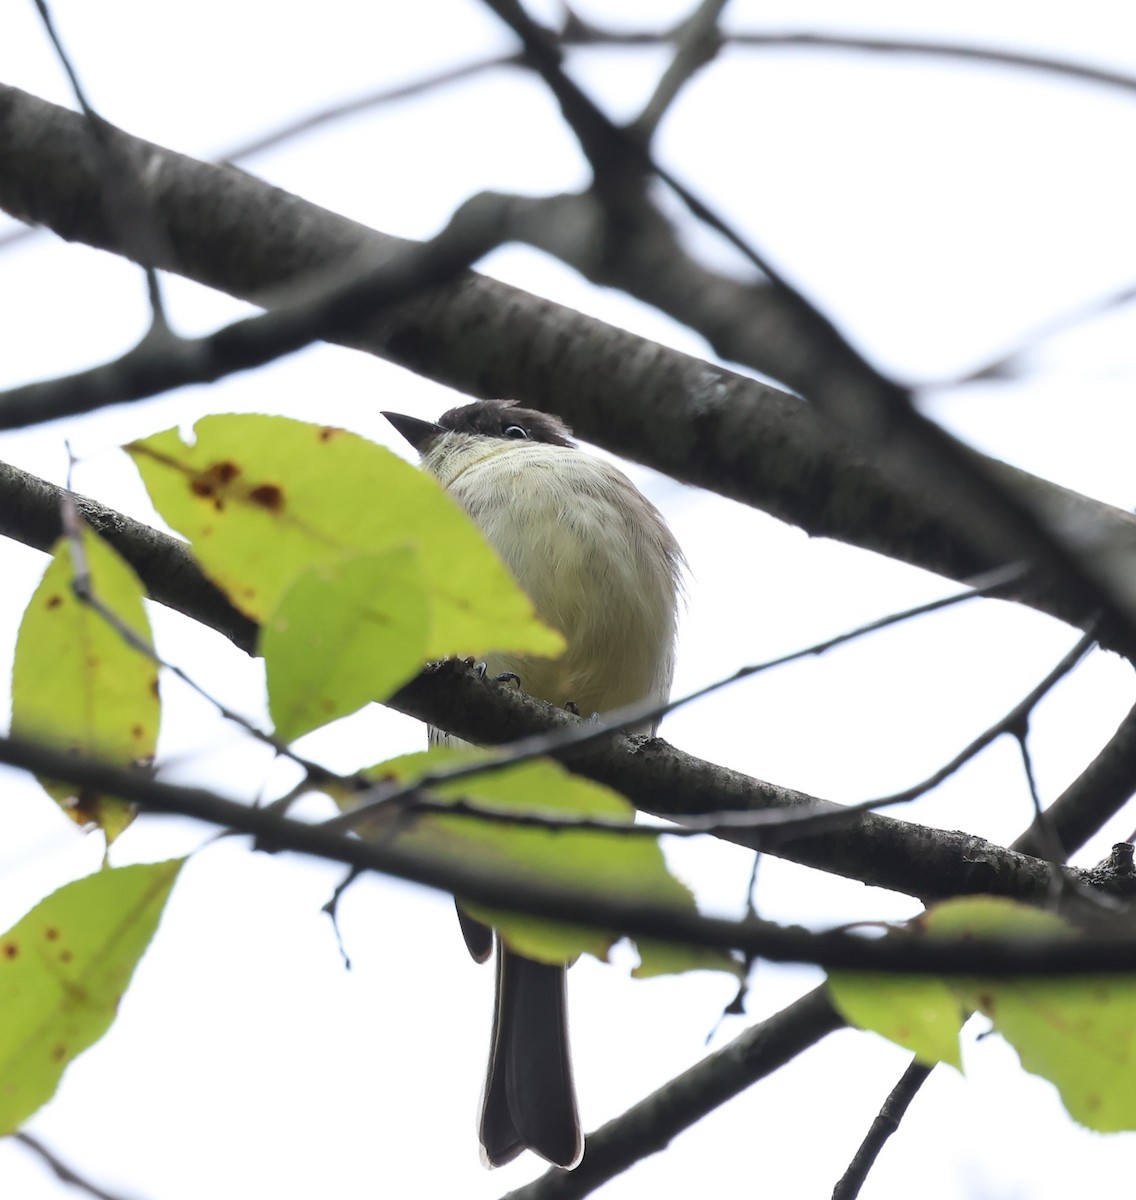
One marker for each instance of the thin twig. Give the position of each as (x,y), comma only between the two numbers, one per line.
(588,34)
(830,372)
(774,827)
(649,1126)
(650,712)
(364,103)
(494,886)
(61,1170)
(128,207)
(148,370)
(1042,63)
(83,588)
(1094,797)
(886,1123)
(1007,724)
(697,41)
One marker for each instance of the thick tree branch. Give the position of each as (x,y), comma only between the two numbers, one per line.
(161,364)
(513,888)
(649,1126)
(899,855)
(697,422)
(815,358)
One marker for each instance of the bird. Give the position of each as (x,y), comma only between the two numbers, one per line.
(599,563)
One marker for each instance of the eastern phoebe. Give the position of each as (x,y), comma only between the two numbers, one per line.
(600,565)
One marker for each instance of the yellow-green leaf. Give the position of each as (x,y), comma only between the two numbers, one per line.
(345,633)
(1077,1032)
(922,1014)
(597,861)
(263,499)
(63,970)
(990,916)
(78,684)
(672,958)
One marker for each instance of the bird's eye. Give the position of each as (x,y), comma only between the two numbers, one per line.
(516,431)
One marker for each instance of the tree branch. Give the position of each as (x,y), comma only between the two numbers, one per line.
(155,366)
(697,422)
(514,889)
(62,1172)
(649,1126)
(898,855)
(813,357)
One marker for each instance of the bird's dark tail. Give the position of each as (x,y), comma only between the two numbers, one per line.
(530,1100)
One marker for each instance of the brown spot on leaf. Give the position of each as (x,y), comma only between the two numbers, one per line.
(58,1052)
(51,933)
(327,433)
(154,685)
(85,806)
(327,704)
(65,956)
(269,496)
(53,601)
(1093,1102)
(137,732)
(986,1003)
(10,949)
(214,478)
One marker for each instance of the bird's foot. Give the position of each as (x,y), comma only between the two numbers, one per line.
(481,669)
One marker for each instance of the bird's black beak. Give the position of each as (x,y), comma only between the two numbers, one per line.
(418,433)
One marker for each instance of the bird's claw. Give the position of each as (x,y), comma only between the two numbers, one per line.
(481,669)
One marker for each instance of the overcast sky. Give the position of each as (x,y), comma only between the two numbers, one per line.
(941,213)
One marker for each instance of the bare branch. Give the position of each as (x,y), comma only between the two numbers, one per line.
(649,1126)
(155,366)
(1093,798)
(886,1123)
(657,778)
(587,33)
(697,41)
(1010,723)
(943,474)
(30,510)
(82,585)
(126,204)
(513,889)
(694,421)
(651,712)
(365,103)
(60,1169)
(1018,59)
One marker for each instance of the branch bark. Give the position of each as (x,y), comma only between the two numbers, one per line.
(697,422)
(899,855)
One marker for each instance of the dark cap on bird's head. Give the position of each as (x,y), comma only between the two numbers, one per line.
(484,418)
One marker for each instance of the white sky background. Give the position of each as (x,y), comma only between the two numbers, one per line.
(939,212)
